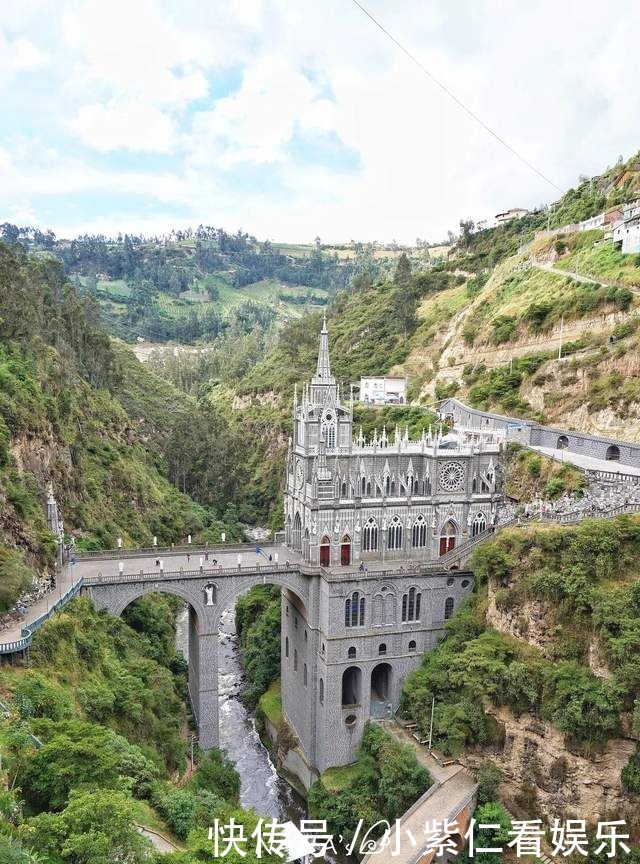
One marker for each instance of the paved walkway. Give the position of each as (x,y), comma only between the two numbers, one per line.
(66,581)
(453,794)
(587,462)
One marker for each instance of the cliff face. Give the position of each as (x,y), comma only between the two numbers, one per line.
(540,777)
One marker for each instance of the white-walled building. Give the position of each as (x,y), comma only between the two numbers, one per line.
(383,391)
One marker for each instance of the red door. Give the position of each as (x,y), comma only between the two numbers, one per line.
(325,555)
(345,554)
(447,544)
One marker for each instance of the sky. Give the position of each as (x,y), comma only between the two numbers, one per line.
(292,119)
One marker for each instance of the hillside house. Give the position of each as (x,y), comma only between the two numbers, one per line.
(510,215)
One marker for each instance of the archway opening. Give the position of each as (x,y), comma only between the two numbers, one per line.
(613,453)
(351,686)
(325,551)
(562,443)
(381,690)
(345,551)
(448,536)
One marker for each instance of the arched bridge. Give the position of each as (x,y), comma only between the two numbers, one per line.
(209,583)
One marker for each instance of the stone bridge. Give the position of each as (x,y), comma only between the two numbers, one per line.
(116,579)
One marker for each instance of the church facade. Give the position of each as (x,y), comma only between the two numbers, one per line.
(350,500)
(365,517)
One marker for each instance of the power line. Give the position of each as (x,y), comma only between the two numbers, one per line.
(458,101)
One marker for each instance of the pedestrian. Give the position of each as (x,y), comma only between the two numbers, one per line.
(188,557)
(206,555)
(157,562)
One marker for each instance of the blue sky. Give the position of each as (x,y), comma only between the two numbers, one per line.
(297,119)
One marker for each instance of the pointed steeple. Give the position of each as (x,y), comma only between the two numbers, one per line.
(323,369)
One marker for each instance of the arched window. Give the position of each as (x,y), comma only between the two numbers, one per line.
(448,607)
(419,533)
(329,432)
(474,483)
(297,533)
(351,653)
(411,605)
(390,609)
(382,648)
(394,534)
(479,524)
(286,646)
(363,485)
(295,659)
(416,486)
(378,610)
(354,610)
(368,489)
(344,490)
(321,691)
(370,536)
(304,675)
(387,484)
(412,646)
(392,492)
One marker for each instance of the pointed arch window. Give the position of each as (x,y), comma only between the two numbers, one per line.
(448,608)
(411,602)
(368,489)
(474,483)
(394,534)
(370,535)
(363,485)
(344,490)
(479,524)
(387,484)
(321,691)
(419,533)
(354,608)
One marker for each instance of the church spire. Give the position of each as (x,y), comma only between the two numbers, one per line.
(323,370)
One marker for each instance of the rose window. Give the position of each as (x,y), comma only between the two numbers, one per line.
(451,476)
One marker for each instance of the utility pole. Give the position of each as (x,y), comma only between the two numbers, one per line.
(433,706)
(561,330)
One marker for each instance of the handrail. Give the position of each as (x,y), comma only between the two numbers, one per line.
(24,642)
(164,575)
(191,548)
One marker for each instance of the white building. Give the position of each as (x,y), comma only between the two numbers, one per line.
(383,391)
(509,215)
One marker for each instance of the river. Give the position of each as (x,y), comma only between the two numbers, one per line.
(260,785)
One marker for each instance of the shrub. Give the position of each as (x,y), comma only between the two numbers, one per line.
(631,775)
(488,778)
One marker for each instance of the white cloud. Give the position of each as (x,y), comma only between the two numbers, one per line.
(257,123)
(139,76)
(125,125)
(19,55)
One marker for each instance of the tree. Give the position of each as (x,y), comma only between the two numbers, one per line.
(467,227)
(95,828)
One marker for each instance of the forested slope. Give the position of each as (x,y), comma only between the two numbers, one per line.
(79,412)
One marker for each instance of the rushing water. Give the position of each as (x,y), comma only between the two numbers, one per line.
(260,785)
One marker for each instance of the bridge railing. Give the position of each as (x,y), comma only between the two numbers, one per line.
(17,645)
(210,572)
(165,551)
